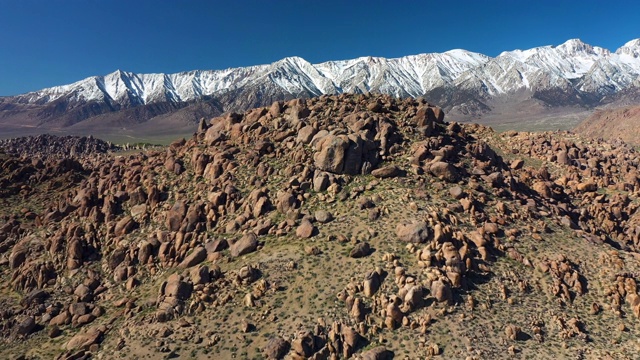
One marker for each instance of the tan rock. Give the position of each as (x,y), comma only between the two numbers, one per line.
(248,243)
(306,229)
(441,291)
(413,232)
(444,171)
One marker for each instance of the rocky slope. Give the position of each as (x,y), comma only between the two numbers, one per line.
(470,85)
(611,124)
(334,227)
(54,146)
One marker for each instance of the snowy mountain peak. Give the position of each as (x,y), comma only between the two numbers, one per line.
(572,67)
(576,46)
(292,60)
(466,56)
(631,48)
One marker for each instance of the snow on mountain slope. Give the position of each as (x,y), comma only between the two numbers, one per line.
(630,49)
(572,66)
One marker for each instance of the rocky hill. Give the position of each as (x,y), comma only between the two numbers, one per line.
(335,227)
(47,146)
(569,78)
(612,124)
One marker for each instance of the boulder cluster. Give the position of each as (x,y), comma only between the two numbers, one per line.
(46,145)
(97,243)
(597,181)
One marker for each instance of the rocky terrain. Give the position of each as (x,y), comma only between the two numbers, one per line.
(48,146)
(335,227)
(613,124)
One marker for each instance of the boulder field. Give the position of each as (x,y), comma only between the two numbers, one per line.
(346,226)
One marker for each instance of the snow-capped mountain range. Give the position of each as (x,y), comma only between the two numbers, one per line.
(573,73)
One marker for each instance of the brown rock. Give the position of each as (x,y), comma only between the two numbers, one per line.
(74,254)
(145,251)
(312,250)
(248,274)
(305,230)
(176,214)
(378,353)
(441,291)
(350,336)
(276,109)
(320,181)
(84,319)
(360,250)
(323,216)
(491,228)
(198,255)
(86,339)
(202,125)
(542,189)
(261,207)
(248,243)
(375,107)
(512,332)
(200,275)
(286,202)
(177,288)
(456,192)
(64,318)
(125,226)
(425,119)
(24,326)
(562,158)
(216,245)
(54,331)
(414,232)
(394,312)
(304,344)
(276,348)
(331,153)
(444,171)
(517,164)
(477,238)
(83,293)
(132,283)
(371,284)
(587,187)
(414,297)
(433,350)
(306,134)
(19,255)
(78,309)
(386,172)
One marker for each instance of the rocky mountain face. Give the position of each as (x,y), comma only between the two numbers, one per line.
(466,84)
(344,226)
(612,124)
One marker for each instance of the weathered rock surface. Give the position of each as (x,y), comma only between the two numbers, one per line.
(248,243)
(413,232)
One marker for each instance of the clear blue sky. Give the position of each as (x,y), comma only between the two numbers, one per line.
(53,42)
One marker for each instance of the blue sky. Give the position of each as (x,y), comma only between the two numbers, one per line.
(53,42)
